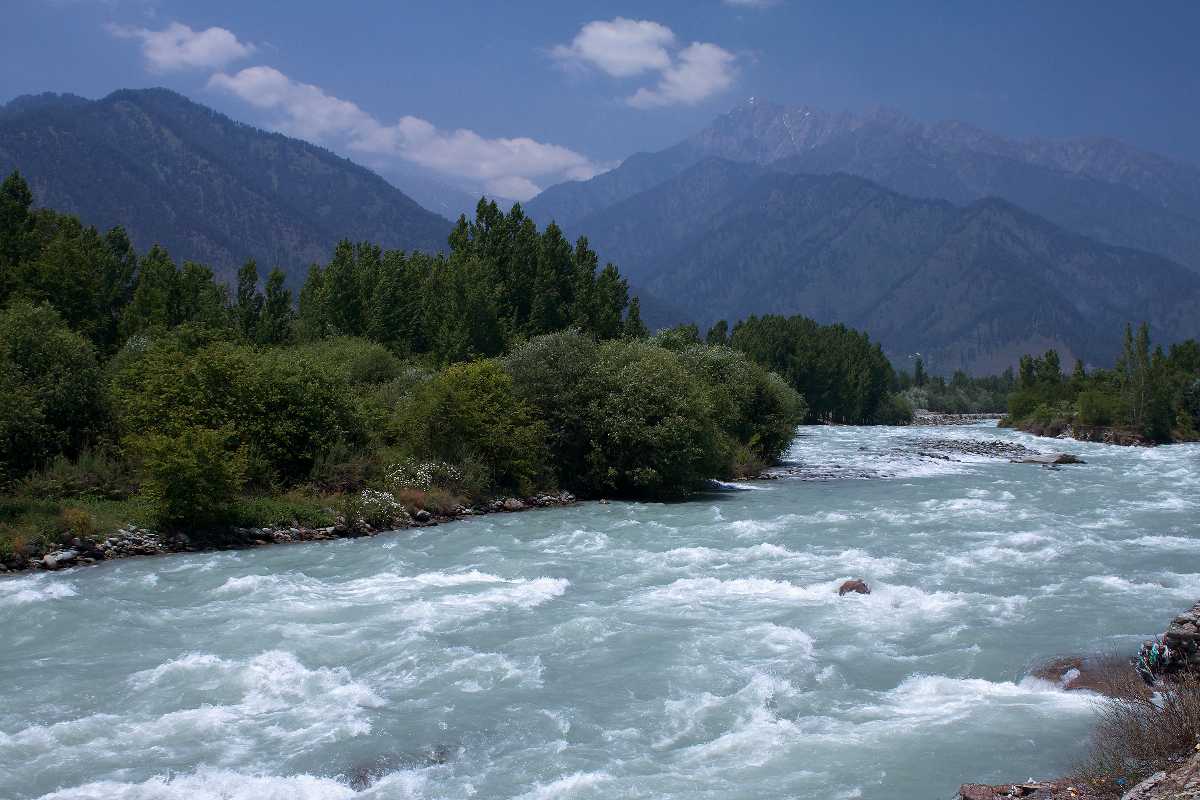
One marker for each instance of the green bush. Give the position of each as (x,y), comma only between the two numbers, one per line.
(193,478)
(276,402)
(649,424)
(470,412)
(1095,407)
(352,360)
(95,473)
(553,373)
(50,399)
(895,410)
(755,408)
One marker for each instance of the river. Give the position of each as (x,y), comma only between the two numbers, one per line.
(628,650)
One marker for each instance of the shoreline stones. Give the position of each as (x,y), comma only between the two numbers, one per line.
(923,418)
(131,540)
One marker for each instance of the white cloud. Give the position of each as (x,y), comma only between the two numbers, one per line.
(506,167)
(178,47)
(622,48)
(625,48)
(700,71)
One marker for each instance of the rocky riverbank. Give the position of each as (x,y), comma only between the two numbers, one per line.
(1082,433)
(1115,676)
(929,419)
(135,541)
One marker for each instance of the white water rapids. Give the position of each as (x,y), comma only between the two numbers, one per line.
(695,650)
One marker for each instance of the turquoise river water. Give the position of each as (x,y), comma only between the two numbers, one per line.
(694,650)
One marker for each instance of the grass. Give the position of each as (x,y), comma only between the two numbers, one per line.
(32,525)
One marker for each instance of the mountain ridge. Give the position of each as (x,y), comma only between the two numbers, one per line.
(206,187)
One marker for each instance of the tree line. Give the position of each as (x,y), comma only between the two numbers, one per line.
(1150,393)
(137,387)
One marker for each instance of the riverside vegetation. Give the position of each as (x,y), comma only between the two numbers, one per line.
(136,390)
(1150,396)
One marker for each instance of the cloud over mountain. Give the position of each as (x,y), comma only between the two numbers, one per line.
(627,48)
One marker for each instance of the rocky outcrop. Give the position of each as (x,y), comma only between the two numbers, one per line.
(1182,638)
(135,541)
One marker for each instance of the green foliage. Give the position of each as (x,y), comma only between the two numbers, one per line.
(277,402)
(962,394)
(754,407)
(1095,407)
(50,401)
(192,477)
(1149,393)
(649,424)
(470,412)
(842,376)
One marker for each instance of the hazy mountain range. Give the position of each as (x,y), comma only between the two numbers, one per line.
(944,239)
(966,246)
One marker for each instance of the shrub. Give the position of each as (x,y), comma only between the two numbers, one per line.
(649,425)
(50,401)
(755,408)
(293,508)
(275,401)
(351,360)
(192,479)
(380,509)
(77,522)
(553,373)
(1094,407)
(895,410)
(1139,734)
(95,473)
(422,475)
(471,412)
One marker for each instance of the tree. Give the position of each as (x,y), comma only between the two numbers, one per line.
(249,305)
(275,322)
(919,376)
(16,224)
(634,327)
(718,334)
(150,305)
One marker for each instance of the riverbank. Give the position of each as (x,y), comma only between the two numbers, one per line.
(1174,778)
(1062,429)
(132,540)
(925,418)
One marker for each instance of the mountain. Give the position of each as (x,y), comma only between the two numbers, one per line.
(1100,188)
(207,188)
(970,287)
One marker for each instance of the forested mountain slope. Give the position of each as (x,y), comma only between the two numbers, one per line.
(207,188)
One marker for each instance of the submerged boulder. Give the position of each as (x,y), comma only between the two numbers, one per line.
(857,586)
(1049,458)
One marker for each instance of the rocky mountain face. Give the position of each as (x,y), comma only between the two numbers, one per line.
(1097,187)
(207,188)
(970,287)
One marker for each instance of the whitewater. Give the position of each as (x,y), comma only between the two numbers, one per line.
(622,650)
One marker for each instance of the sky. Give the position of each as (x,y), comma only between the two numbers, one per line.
(510,97)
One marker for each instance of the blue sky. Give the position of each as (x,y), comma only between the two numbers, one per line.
(511,97)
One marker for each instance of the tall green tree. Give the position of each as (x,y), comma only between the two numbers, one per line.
(248,307)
